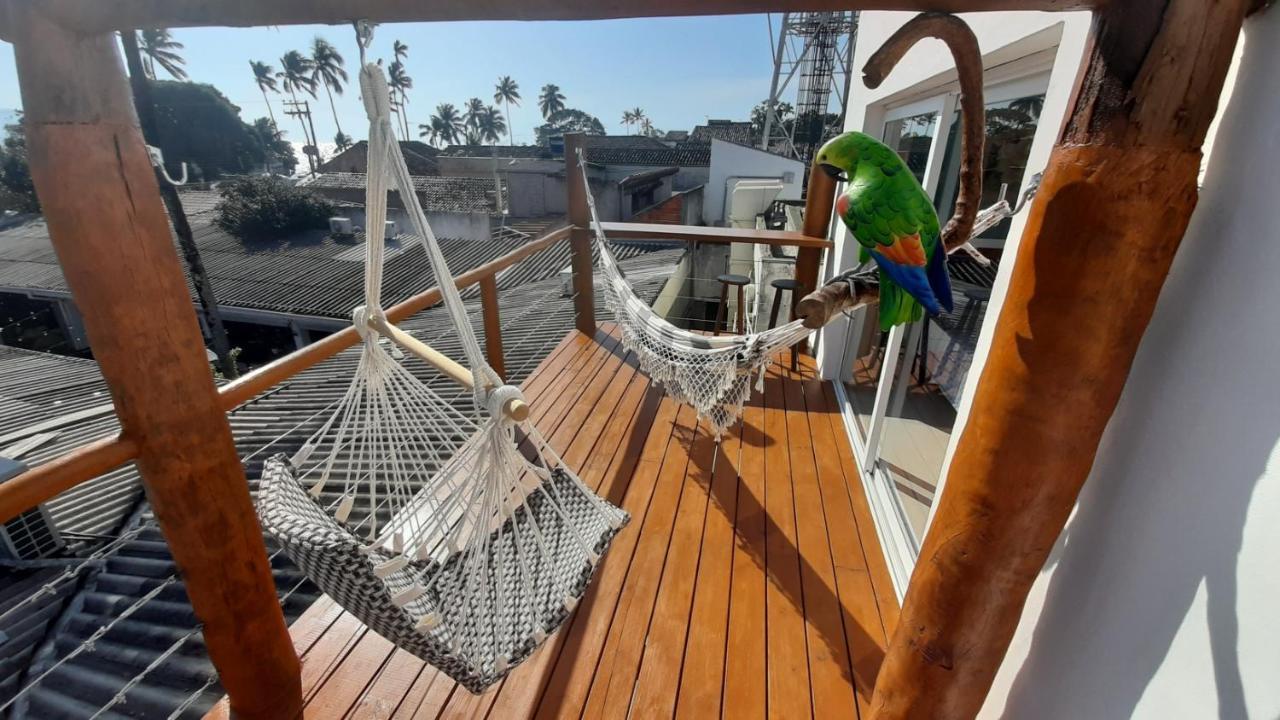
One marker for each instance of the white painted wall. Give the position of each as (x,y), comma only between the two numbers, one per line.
(730,161)
(1160,599)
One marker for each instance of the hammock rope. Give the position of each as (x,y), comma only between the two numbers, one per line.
(712,373)
(478,541)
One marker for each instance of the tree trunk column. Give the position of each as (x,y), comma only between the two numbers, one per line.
(1102,232)
(112,239)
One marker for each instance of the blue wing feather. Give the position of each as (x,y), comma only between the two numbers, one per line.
(939,281)
(911,278)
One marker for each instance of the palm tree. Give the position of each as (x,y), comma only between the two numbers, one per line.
(400,50)
(471,114)
(161,49)
(343,141)
(638,117)
(551,100)
(491,125)
(628,118)
(446,125)
(328,70)
(296,74)
(507,91)
(400,82)
(646,128)
(265,76)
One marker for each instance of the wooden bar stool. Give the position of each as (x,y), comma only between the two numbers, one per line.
(779,286)
(740,282)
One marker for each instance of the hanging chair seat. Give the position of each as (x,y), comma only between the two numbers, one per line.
(475,649)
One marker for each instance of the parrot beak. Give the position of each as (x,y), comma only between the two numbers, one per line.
(834,171)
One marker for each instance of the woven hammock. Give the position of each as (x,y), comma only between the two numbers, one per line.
(712,373)
(472,541)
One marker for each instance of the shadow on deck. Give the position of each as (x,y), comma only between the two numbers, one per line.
(749,582)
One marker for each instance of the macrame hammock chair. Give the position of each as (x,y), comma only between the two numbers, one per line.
(712,373)
(468,559)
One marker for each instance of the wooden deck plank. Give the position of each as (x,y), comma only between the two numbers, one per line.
(610,696)
(865,631)
(748,582)
(337,695)
(745,686)
(658,678)
(886,597)
(702,672)
(389,688)
(788,656)
(831,677)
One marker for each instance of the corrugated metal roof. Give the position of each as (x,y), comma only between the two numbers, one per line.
(299,275)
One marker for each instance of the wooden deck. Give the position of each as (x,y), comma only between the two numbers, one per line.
(748,584)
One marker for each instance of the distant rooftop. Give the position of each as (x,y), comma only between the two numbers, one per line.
(419,157)
(604,150)
(733,131)
(438,194)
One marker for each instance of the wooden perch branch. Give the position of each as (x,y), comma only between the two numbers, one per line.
(822,306)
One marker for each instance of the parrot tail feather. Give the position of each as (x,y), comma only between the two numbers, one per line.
(897,307)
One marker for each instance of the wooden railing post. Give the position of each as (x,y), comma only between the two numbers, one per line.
(1102,232)
(580,237)
(818,204)
(492,325)
(109,229)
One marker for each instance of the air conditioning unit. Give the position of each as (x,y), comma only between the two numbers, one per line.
(32,534)
(392,230)
(565,277)
(340,226)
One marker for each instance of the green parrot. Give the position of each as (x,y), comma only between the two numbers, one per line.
(893,220)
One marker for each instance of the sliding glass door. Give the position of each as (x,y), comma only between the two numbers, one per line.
(902,387)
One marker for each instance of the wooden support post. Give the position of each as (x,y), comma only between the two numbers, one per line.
(492,325)
(580,237)
(1102,232)
(112,239)
(818,205)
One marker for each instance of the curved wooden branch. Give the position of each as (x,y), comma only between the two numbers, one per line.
(843,293)
(963,45)
(821,307)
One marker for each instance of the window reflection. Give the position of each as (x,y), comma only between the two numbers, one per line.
(911,137)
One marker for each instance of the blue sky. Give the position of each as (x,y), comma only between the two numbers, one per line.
(679,70)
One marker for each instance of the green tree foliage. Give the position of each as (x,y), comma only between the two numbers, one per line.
(266,207)
(784,113)
(569,120)
(17,191)
(198,125)
(280,155)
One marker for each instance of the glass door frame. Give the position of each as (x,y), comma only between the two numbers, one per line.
(901,548)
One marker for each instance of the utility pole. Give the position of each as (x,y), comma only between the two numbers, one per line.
(301,109)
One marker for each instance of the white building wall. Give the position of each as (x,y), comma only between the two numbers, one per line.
(1160,598)
(730,162)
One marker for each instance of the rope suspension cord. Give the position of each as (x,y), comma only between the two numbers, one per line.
(712,373)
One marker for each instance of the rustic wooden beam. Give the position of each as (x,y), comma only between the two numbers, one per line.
(99,16)
(492,326)
(819,203)
(1116,198)
(713,235)
(112,239)
(584,295)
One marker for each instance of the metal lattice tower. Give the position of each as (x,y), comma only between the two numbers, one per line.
(811,63)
